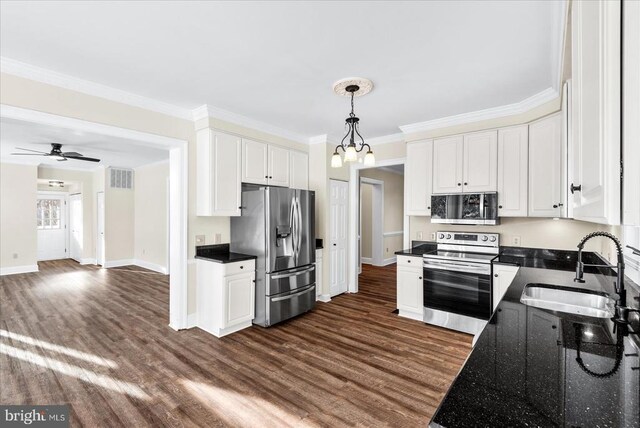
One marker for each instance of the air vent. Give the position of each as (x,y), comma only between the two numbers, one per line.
(120,178)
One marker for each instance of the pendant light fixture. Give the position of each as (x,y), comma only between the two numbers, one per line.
(352,87)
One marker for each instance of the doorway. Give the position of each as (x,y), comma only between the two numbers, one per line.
(371,221)
(100,228)
(51,212)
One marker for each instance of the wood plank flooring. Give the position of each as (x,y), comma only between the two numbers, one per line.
(98,340)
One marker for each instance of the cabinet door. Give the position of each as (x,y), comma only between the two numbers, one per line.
(418,177)
(227,172)
(447,165)
(278,166)
(502,279)
(546,167)
(254,162)
(595,101)
(299,170)
(480,165)
(239,298)
(410,290)
(513,171)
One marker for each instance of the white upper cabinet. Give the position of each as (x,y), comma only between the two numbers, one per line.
(218,182)
(278,166)
(299,170)
(546,167)
(447,164)
(255,167)
(595,101)
(480,167)
(418,176)
(513,170)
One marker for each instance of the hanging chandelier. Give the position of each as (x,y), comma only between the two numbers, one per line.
(352,87)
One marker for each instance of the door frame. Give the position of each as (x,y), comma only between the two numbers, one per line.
(98,261)
(352,233)
(377,220)
(178,196)
(67,232)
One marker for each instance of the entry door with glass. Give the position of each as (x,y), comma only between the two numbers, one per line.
(51,226)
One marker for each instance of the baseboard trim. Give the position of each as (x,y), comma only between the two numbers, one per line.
(118,263)
(366,260)
(389,261)
(14,270)
(151,266)
(324,298)
(192,320)
(88,261)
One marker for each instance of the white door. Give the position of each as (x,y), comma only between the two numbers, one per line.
(52,226)
(410,290)
(100,230)
(418,177)
(299,170)
(75,227)
(278,166)
(254,162)
(546,167)
(480,165)
(447,165)
(513,171)
(339,191)
(227,172)
(239,298)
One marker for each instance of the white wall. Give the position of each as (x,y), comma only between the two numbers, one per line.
(18,233)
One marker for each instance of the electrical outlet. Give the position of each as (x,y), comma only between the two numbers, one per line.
(419,236)
(200,239)
(516,241)
(433,236)
(218,238)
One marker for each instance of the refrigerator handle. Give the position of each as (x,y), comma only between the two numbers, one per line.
(292,224)
(299,231)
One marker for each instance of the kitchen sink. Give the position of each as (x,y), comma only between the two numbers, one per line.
(568,299)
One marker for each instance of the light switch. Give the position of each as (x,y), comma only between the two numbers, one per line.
(200,239)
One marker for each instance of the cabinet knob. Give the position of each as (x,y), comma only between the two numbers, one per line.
(428,208)
(459,184)
(334,245)
(241,267)
(500,206)
(577,188)
(270,176)
(408,261)
(554,327)
(555,206)
(495,274)
(465,183)
(419,277)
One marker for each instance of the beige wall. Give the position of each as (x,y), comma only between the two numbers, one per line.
(366,220)
(119,229)
(18,236)
(150,217)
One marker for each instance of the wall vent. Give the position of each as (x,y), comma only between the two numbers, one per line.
(120,178)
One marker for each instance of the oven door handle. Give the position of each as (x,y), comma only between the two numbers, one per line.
(458,267)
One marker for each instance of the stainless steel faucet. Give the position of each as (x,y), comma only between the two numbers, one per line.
(622,311)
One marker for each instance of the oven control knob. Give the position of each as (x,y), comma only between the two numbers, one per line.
(492,239)
(484,238)
(441,236)
(448,236)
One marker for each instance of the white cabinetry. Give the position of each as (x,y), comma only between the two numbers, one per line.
(502,278)
(410,288)
(513,170)
(418,177)
(595,101)
(466,163)
(255,167)
(225,296)
(299,170)
(278,166)
(218,169)
(319,286)
(546,168)
(447,164)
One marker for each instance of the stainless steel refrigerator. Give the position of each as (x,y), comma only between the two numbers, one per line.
(278,226)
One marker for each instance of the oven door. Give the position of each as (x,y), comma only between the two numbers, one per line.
(458,287)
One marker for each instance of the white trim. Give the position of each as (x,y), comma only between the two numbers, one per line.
(559,21)
(390,170)
(206,111)
(14,270)
(326,298)
(318,139)
(88,261)
(523,106)
(42,75)
(396,233)
(385,139)
(366,260)
(192,320)
(160,162)
(389,261)
(118,263)
(151,266)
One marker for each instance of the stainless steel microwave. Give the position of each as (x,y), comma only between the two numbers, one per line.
(465,208)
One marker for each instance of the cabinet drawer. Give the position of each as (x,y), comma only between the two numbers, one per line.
(239,267)
(410,262)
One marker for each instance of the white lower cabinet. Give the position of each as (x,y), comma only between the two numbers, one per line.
(319,287)
(409,288)
(502,278)
(225,296)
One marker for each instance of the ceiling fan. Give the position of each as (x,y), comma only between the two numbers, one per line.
(56,152)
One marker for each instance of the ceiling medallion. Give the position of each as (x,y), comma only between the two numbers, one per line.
(352,87)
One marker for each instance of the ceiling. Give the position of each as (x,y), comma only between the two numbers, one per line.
(275,62)
(111,151)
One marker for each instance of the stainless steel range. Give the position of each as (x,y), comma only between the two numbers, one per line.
(457,280)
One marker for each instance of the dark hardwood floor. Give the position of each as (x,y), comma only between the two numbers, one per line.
(98,340)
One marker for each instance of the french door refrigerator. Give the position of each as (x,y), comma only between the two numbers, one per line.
(278,226)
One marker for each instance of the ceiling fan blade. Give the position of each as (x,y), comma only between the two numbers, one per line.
(71,154)
(82,158)
(62,160)
(35,151)
(28,154)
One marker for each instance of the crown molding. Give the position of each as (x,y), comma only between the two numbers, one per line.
(207,110)
(384,139)
(318,139)
(523,106)
(42,75)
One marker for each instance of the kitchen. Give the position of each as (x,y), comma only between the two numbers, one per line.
(501,307)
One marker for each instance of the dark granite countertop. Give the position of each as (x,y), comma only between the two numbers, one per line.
(418,249)
(220,254)
(524,368)
(549,259)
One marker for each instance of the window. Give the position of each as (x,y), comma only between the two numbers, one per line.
(48,212)
(631,236)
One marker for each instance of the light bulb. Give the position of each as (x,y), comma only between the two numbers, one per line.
(336,161)
(350,155)
(369,159)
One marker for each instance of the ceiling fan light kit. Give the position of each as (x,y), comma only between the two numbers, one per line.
(352,87)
